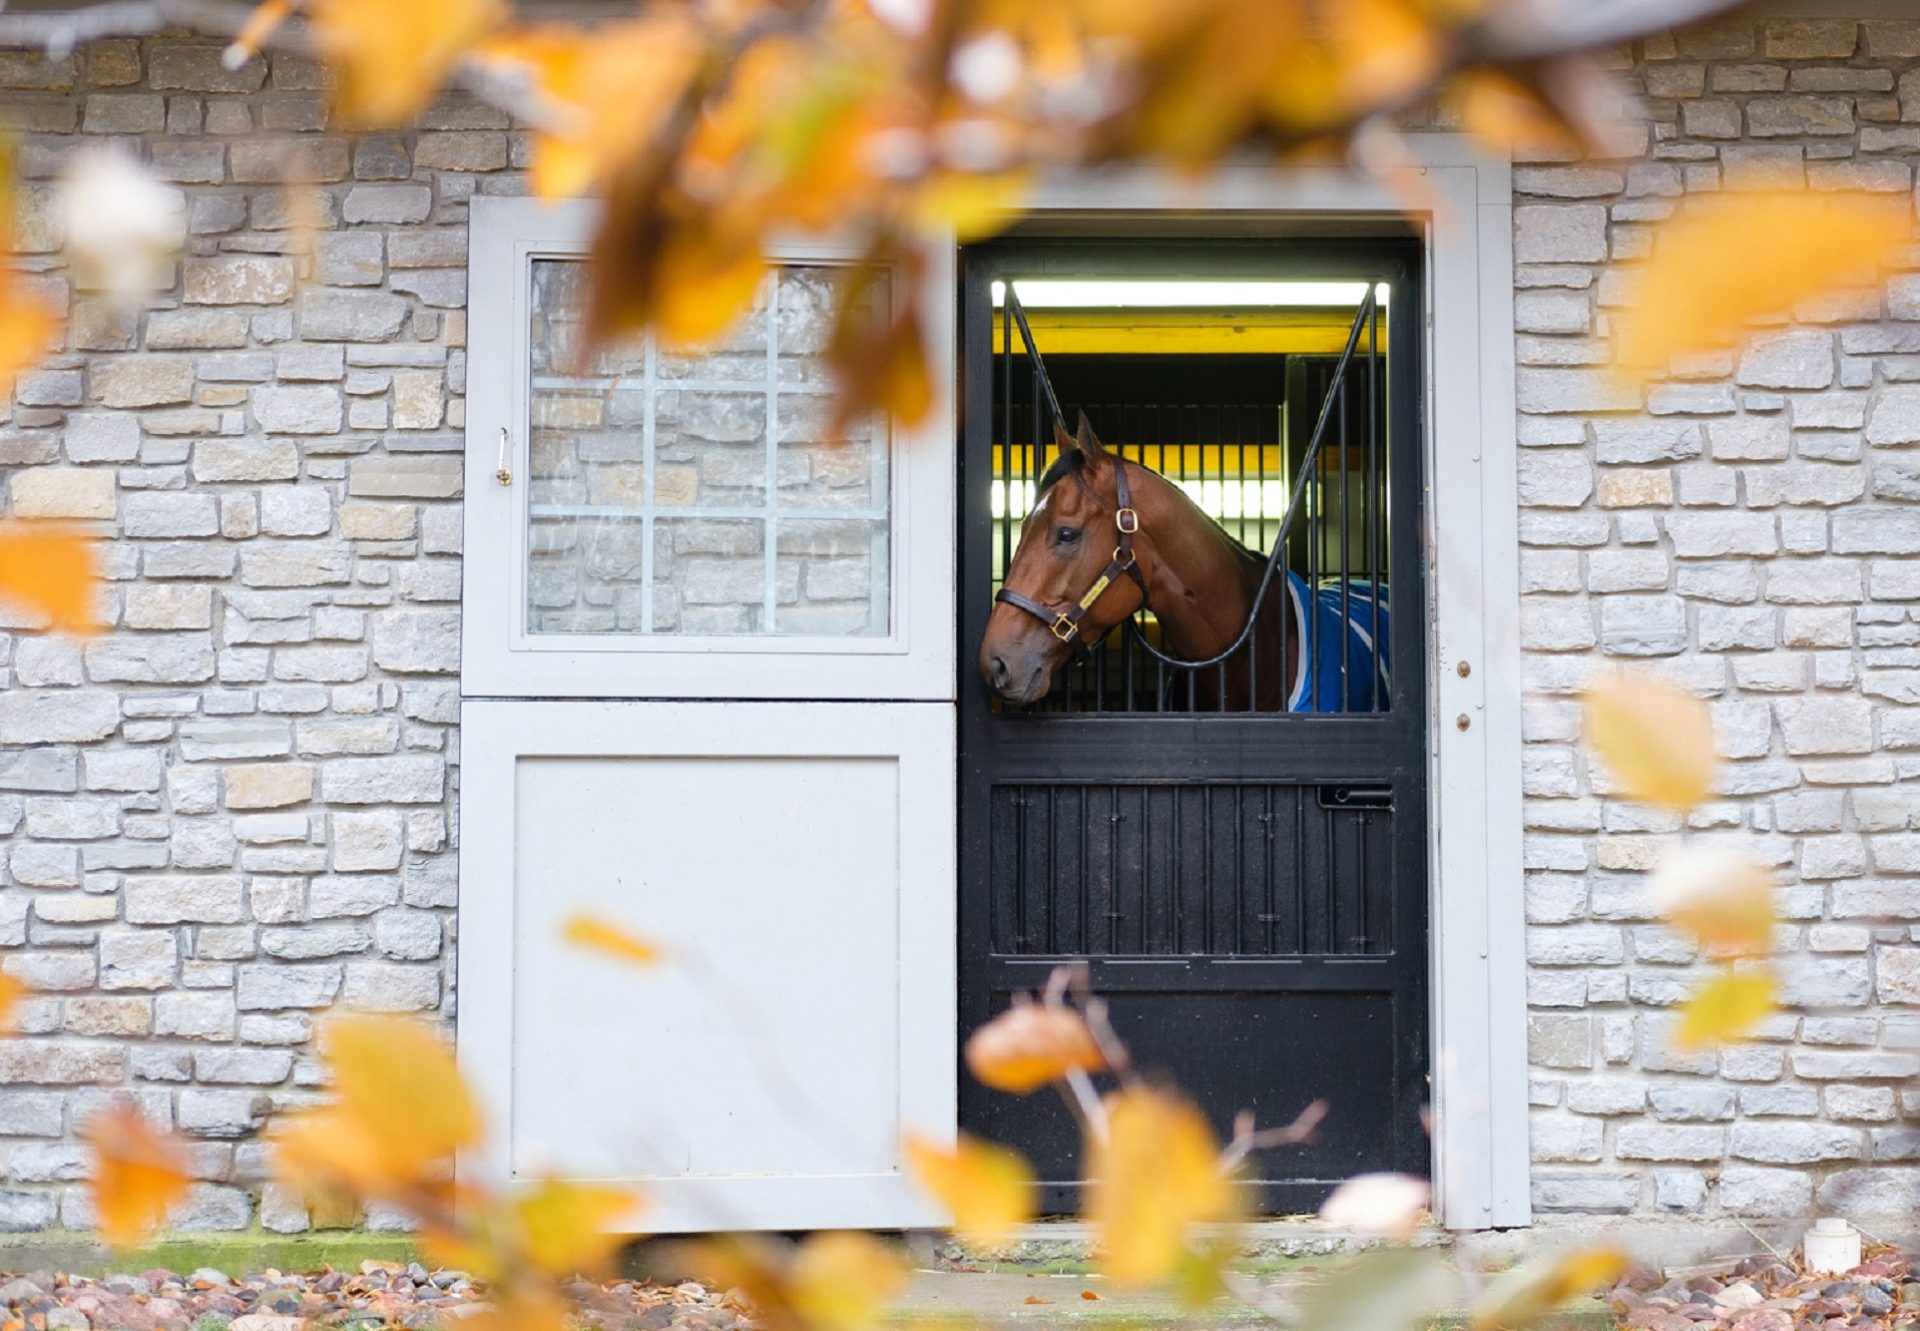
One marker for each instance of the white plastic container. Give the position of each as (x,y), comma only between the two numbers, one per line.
(1831,1246)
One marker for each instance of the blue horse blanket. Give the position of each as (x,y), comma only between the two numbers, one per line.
(1326,634)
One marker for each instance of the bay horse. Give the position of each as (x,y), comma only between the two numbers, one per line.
(1107,537)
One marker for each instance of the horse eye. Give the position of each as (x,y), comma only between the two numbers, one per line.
(1066,536)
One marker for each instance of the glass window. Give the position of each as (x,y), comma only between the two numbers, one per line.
(701,494)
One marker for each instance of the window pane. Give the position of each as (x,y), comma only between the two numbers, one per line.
(675,493)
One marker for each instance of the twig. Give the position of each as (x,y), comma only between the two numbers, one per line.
(1246,1140)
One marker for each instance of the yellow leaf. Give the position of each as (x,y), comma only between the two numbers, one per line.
(840,1281)
(1156,1173)
(1029,1045)
(598,934)
(1389,1205)
(52,571)
(391,56)
(1530,1292)
(1729,1006)
(401,1111)
(1656,739)
(570,1228)
(261,24)
(706,277)
(988,1188)
(137,1174)
(1732,258)
(1716,894)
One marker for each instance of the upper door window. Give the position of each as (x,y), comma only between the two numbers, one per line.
(643,522)
(705,494)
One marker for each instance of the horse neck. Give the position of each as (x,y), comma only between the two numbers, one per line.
(1201,582)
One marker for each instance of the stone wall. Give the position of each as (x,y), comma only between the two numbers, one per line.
(233,810)
(1747,527)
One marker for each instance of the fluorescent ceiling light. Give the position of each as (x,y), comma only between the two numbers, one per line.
(1102,294)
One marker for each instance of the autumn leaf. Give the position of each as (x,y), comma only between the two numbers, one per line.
(52,571)
(1717,894)
(137,1174)
(840,1281)
(832,1282)
(1727,1008)
(1732,258)
(606,91)
(1029,1045)
(596,933)
(570,1228)
(1155,1174)
(12,991)
(391,58)
(401,1111)
(1388,1205)
(1530,1292)
(1656,739)
(27,324)
(988,1188)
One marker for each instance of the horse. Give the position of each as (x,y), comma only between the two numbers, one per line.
(1107,537)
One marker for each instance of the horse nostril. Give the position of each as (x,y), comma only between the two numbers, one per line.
(998,669)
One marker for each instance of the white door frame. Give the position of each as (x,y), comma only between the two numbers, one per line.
(1461,202)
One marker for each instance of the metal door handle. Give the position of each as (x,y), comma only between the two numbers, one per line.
(504,476)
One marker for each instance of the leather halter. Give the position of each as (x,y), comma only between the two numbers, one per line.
(1065,624)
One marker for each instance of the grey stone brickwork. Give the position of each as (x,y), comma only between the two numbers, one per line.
(233,810)
(1748,527)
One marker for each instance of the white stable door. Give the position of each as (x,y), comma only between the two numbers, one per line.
(708,683)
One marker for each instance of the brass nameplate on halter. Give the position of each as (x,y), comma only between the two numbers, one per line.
(1093,592)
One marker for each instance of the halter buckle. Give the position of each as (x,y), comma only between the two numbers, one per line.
(1122,557)
(1128,520)
(1070,630)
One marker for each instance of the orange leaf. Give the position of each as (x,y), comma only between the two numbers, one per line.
(1732,258)
(137,1174)
(1730,1005)
(598,934)
(1155,1174)
(26,326)
(988,1188)
(1089,1295)
(261,24)
(12,991)
(1716,894)
(609,89)
(570,1228)
(390,58)
(1655,738)
(1035,1299)
(1029,1045)
(52,571)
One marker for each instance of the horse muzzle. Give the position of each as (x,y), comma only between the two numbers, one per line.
(1016,676)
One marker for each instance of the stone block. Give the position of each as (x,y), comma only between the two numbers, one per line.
(268,785)
(63,492)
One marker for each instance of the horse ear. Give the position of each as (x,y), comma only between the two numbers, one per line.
(1088,442)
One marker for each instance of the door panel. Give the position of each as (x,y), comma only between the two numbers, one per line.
(1247,890)
(762,1075)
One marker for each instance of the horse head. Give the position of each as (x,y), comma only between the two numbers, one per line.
(1068,566)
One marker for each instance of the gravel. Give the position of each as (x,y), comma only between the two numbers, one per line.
(1771,1294)
(376,1297)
